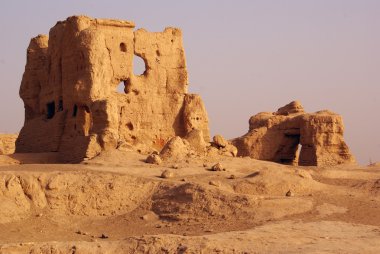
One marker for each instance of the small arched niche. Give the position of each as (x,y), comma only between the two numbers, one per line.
(75,110)
(123,47)
(50,110)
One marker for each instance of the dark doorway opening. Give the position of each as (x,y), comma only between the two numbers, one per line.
(50,109)
(123,47)
(60,105)
(75,110)
(289,150)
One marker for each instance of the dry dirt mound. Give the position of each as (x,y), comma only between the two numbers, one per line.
(190,201)
(105,194)
(277,182)
(371,186)
(82,193)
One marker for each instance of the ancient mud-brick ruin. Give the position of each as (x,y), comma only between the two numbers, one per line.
(292,136)
(69,89)
(73,108)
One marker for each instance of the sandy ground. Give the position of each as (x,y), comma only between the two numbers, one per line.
(117,203)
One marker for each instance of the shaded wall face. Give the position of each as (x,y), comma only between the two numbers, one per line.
(55,66)
(35,77)
(150,109)
(103,56)
(322,140)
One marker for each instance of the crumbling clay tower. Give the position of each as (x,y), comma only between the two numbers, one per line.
(69,89)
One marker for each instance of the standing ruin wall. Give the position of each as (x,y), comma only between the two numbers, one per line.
(69,89)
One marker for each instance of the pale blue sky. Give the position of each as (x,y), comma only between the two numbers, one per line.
(243,56)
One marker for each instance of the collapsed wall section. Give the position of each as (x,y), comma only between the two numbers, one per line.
(7,143)
(291,136)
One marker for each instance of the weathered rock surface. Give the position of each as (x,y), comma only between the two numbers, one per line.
(153,159)
(69,89)
(218,167)
(292,136)
(7,143)
(219,141)
(176,149)
(196,141)
(167,174)
(221,146)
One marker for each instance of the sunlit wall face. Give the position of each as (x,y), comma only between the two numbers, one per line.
(243,56)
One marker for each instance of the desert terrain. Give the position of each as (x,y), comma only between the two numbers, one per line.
(95,169)
(117,203)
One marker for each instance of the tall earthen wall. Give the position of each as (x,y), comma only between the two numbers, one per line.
(70,82)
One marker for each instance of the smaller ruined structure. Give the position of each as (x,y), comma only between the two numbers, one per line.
(7,143)
(292,136)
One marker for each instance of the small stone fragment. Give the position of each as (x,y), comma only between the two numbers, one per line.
(103,236)
(79,232)
(219,141)
(176,149)
(154,159)
(167,174)
(182,248)
(124,146)
(232,177)
(215,183)
(175,166)
(230,150)
(150,216)
(289,193)
(218,167)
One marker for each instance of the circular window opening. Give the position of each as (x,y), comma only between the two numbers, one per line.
(121,87)
(139,67)
(123,47)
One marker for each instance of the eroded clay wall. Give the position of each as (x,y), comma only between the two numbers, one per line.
(292,136)
(70,89)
